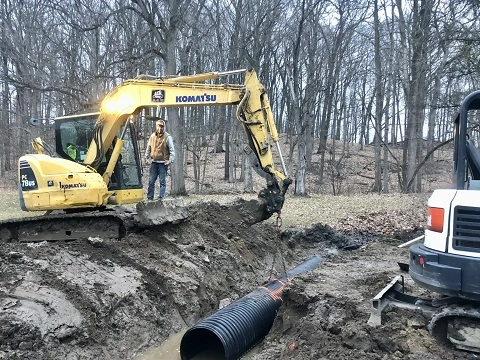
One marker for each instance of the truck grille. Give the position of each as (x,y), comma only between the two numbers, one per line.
(466,229)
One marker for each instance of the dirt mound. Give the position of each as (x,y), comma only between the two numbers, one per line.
(103,298)
(113,299)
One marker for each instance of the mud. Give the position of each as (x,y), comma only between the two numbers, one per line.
(107,299)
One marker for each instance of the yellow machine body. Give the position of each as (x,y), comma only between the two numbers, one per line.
(49,183)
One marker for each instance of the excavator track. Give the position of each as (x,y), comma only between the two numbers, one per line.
(57,227)
(106,223)
(454,322)
(457,327)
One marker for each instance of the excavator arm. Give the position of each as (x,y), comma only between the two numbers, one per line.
(253,111)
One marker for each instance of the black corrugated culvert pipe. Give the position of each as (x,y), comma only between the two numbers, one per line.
(232,331)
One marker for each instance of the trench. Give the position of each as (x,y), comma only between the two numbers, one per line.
(131,294)
(234,330)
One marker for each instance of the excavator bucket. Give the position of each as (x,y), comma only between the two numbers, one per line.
(159,212)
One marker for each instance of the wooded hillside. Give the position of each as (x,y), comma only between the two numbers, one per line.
(340,74)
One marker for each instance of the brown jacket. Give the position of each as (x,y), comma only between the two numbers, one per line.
(160,148)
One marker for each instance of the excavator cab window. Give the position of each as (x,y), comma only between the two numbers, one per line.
(73,136)
(127,172)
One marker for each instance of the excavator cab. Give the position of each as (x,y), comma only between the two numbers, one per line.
(448,261)
(73,136)
(65,181)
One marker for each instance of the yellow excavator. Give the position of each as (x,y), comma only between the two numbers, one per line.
(97,162)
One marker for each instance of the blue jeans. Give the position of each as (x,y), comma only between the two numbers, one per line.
(157,170)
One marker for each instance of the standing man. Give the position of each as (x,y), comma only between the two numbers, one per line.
(161,153)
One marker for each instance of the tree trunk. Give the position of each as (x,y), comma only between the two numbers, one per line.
(377,187)
(222,119)
(247,175)
(4,122)
(176,123)
(225,129)
(301,169)
(415,91)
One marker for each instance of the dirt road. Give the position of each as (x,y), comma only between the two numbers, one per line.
(104,299)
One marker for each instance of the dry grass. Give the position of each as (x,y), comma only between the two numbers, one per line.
(10,207)
(354,182)
(304,211)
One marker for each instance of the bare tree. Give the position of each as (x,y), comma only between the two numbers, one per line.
(414,84)
(165,20)
(379,94)
(329,73)
(336,41)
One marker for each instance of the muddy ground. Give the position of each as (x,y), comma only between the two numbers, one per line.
(108,299)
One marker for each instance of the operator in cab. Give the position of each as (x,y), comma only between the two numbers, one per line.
(72,151)
(159,153)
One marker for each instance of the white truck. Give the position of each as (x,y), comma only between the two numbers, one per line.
(448,261)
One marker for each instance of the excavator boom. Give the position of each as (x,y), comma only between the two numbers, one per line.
(253,109)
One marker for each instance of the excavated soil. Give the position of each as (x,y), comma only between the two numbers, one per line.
(108,299)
